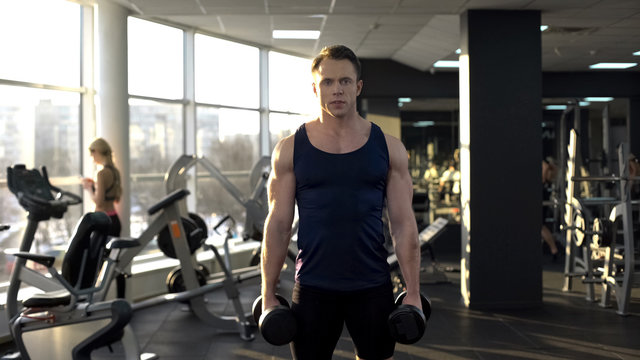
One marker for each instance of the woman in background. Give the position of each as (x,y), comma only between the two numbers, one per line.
(105,189)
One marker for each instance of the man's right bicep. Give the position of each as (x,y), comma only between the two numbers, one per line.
(282,182)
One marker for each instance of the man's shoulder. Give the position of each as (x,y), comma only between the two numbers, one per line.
(282,157)
(286,143)
(394,145)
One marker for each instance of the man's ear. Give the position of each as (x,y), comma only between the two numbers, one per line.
(359,85)
(315,89)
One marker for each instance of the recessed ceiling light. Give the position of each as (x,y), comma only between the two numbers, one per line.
(423,123)
(556,107)
(458,51)
(296,34)
(404,99)
(544,27)
(612,65)
(637,53)
(446,64)
(598,99)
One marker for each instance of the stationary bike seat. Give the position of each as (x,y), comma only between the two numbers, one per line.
(49,299)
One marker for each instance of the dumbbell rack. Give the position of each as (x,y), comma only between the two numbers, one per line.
(613,281)
(574,265)
(617,273)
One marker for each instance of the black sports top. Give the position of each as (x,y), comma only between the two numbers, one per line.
(340,200)
(116,182)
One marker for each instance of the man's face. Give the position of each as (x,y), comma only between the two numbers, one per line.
(336,86)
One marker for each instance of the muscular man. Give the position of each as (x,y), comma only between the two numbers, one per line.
(340,169)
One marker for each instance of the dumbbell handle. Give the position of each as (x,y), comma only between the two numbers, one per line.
(271,304)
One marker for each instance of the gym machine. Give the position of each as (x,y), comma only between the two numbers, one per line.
(64,322)
(603,260)
(428,275)
(179,237)
(180,234)
(256,206)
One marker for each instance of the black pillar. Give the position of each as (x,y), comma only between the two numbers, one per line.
(501,149)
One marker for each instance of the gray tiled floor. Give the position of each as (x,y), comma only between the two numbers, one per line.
(566,327)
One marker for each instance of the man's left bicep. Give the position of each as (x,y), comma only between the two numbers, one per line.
(399,194)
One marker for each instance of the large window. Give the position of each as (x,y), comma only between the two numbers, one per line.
(38,127)
(290,84)
(155,59)
(40,46)
(156,137)
(290,91)
(228,138)
(227,89)
(227,73)
(283,125)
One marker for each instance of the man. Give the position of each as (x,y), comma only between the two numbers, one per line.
(340,168)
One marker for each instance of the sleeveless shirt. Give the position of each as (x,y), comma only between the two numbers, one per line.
(340,200)
(116,182)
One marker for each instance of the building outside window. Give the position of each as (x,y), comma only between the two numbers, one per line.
(41,118)
(40,95)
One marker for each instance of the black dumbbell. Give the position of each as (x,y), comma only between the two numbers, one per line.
(407,323)
(277,324)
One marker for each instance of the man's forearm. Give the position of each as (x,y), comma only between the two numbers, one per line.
(408,252)
(274,252)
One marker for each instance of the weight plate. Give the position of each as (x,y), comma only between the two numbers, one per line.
(175,280)
(195,242)
(200,223)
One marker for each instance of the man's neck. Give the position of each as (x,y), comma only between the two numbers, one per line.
(343,124)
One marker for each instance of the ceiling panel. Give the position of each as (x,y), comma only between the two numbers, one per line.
(167,7)
(296,22)
(231,6)
(431,6)
(497,4)
(298,6)
(413,32)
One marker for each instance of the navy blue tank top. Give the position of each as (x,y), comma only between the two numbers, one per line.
(340,200)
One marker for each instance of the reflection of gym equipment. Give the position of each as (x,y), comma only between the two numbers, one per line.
(430,274)
(64,322)
(603,260)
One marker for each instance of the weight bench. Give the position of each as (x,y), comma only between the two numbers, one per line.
(432,274)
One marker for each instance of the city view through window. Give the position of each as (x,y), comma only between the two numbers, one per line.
(41,115)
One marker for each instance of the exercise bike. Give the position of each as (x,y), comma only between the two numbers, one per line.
(64,322)
(179,237)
